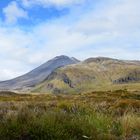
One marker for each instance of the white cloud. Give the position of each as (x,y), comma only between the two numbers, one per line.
(46,3)
(7,74)
(13,12)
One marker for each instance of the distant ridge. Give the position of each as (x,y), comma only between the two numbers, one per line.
(99,59)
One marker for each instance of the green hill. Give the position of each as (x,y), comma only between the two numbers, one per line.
(93,74)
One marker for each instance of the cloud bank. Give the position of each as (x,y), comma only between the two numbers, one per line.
(91,28)
(46,3)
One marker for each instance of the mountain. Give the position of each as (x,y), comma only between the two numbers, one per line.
(37,75)
(99,73)
(63,74)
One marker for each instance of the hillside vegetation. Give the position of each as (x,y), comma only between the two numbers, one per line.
(110,115)
(98,74)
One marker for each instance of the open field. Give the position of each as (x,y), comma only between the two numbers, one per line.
(111,115)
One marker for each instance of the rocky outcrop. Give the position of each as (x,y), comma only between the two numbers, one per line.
(131,77)
(60,76)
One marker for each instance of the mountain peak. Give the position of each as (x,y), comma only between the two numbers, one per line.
(64,57)
(38,74)
(61,56)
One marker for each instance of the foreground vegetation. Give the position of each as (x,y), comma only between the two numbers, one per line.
(112,115)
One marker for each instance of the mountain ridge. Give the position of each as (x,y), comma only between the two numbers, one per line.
(68,74)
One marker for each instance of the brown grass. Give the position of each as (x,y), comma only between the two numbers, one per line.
(94,115)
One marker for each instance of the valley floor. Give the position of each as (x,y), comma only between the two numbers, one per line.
(111,115)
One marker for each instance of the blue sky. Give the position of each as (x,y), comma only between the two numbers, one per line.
(34,31)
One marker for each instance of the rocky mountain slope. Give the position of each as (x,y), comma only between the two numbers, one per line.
(37,75)
(93,74)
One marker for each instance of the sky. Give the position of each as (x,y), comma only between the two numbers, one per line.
(34,31)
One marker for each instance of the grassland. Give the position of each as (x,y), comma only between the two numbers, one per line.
(110,115)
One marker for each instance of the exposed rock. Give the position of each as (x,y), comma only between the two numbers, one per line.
(131,77)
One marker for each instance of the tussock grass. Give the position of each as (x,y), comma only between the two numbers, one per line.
(130,125)
(94,116)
